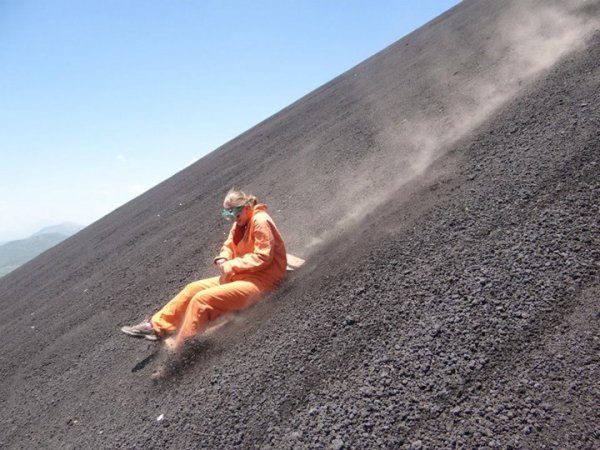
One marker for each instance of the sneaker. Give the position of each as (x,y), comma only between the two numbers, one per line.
(143,329)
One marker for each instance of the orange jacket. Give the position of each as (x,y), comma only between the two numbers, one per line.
(259,254)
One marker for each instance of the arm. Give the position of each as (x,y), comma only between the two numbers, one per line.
(226,252)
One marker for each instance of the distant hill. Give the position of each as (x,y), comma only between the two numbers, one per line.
(15,253)
(65,228)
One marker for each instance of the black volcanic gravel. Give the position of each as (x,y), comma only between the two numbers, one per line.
(463,314)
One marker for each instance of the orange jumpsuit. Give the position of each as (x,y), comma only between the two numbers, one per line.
(256,264)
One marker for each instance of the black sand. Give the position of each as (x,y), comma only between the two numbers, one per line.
(460,310)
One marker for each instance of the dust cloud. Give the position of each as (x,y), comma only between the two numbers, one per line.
(465,84)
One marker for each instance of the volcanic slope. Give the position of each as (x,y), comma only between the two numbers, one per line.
(446,194)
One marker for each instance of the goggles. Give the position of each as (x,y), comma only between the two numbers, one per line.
(230,214)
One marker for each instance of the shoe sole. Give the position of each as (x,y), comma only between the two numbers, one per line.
(150,337)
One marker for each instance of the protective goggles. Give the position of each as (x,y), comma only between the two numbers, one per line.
(230,214)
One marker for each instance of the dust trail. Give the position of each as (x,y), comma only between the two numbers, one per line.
(173,361)
(462,89)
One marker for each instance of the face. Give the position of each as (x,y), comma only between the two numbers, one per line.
(239,214)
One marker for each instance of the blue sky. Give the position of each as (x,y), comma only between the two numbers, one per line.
(102,99)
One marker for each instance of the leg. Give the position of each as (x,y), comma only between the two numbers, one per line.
(211,303)
(170,316)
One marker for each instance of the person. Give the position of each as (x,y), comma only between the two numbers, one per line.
(252,262)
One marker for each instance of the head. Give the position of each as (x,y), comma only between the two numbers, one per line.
(238,205)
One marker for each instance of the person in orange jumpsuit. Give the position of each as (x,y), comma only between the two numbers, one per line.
(252,262)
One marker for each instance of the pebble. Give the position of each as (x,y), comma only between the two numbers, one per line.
(337,444)
(416,445)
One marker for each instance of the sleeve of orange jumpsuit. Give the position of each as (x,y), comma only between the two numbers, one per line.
(227,249)
(262,255)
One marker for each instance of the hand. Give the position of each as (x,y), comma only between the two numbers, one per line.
(224,278)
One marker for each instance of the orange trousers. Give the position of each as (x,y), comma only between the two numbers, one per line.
(203,301)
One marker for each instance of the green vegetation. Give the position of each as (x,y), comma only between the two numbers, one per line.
(15,253)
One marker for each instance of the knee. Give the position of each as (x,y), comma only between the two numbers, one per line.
(200,306)
(192,289)
(189,288)
(199,301)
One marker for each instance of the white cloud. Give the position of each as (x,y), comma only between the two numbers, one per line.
(121,158)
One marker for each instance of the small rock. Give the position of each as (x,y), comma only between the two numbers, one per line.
(337,444)
(416,445)
(160,418)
